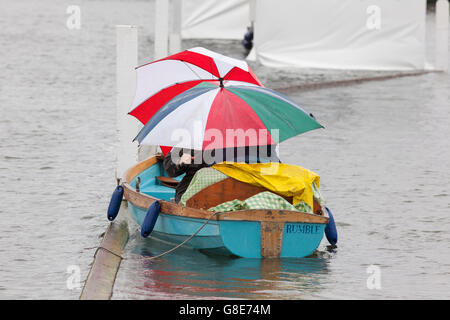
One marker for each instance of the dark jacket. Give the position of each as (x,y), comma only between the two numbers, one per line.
(174,170)
(247,154)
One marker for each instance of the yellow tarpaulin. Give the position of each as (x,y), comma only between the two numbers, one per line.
(285,179)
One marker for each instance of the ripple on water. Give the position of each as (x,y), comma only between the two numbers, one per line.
(441,195)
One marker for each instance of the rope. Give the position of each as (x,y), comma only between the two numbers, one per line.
(185,241)
(112,252)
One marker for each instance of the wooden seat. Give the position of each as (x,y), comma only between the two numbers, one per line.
(168,182)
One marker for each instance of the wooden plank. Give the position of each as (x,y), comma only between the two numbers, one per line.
(100,280)
(274,216)
(168,182)
(131,173)
(271,238)
(144,201)
(317,208)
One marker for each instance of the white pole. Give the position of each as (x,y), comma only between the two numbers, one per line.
(442,24)
(127,127)
(161,29)
(252,12)
(252,56)
(175,32)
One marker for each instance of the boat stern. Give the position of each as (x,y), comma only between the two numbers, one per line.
(272,238)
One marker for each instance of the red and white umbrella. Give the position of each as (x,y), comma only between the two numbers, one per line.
(160,81)
(228,115)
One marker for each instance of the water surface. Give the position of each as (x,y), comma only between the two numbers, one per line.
(383,160)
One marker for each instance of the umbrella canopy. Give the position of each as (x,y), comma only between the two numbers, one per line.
(227,115)
(160,81)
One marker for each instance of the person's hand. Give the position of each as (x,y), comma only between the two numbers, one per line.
(159,156)
(186,159)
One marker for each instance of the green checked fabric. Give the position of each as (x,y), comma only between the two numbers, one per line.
(317,195)
(268,200)
(202,179)
(228,206)
(302,206)
(262,200)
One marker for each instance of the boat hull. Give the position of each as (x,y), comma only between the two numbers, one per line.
(244,233)
(176,229)
(238,238)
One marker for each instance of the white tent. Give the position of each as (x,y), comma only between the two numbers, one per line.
(214,19)
(341,34)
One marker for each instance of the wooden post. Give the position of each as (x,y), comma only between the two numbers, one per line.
(161,29)
(100,280)
(175,30)
(442,24)
(127,126)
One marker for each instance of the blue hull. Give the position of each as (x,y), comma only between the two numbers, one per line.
(239,238)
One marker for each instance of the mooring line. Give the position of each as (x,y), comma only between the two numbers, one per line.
(112,252)
(185,241)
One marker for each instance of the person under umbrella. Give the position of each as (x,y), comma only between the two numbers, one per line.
(187,161)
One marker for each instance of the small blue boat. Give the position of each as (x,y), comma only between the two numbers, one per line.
(243,233)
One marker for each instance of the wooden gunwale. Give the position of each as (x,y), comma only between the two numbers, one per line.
(144,201)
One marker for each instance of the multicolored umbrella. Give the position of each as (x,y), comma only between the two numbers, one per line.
(160,81)
(227,115)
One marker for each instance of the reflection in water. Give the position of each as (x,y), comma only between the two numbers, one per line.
(188,273)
